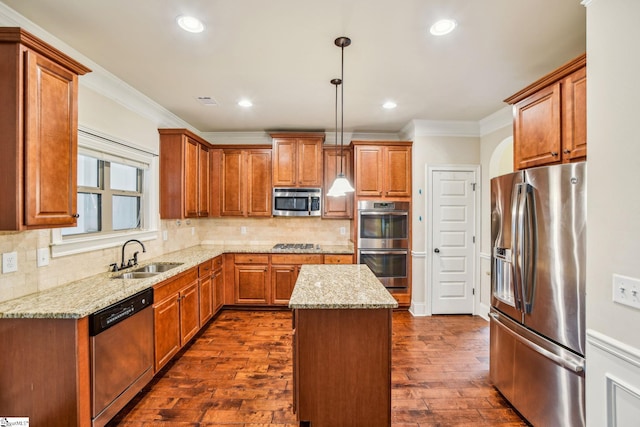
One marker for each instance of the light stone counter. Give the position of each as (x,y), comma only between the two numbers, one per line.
(86,296)
(338,287)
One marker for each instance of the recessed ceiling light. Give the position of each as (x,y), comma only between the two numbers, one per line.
(389,105)
(245,103)
(190,24)
(442,27)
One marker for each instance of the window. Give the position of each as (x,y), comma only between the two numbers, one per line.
(115,196)
(109,197)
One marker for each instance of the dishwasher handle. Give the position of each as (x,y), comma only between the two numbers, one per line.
(113,314)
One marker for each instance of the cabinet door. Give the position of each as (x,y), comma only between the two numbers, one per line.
(206,299)
(218,290)
(204,180)
(51,145)
(283,279)
(338,259)
(537,129)
(166,318)
(189,312)
(251,284)
(232,203)
(191,151)
(397,172)
(259,182)
(309,172)
(369,171)
(337,207)
(575,116)
(284,162)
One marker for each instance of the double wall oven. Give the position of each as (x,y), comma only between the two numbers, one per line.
(383,241)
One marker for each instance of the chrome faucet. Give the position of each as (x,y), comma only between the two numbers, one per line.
(133,261)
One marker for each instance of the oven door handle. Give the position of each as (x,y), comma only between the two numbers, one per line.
(365,213)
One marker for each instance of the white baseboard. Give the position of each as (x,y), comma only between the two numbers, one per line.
(418,309)
(483,311)
(612,382)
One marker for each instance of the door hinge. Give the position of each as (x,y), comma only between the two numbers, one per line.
(473,291)
(473,186)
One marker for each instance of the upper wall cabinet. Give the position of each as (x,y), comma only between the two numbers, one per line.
(185,175)
(297,159)
(336,158)
(38,133)
(382,169)
(245,181)
(550,118)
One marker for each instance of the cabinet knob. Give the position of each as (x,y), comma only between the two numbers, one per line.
(75,215)
(566,151)
(554,153)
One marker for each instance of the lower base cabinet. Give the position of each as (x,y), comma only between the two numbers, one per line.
(342,367)
(176,315)
(284,273)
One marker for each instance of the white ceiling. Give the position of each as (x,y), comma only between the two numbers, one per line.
(281,55)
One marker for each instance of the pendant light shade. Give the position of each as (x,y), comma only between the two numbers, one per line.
(341,185)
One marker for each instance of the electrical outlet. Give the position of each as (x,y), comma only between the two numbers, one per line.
(626,290)
(243,230)
(193,231)
(343,231)
(9,262)
(165,235)
(42,257)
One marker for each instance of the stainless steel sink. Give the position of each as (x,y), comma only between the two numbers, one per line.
(148,270)
(157,267)
(135,275)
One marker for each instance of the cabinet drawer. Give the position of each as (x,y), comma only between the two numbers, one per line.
(205,269)
(217,263)
(173,285)
(296,259)
(338,259)
(252,259)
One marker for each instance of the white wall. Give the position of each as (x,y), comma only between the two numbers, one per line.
(613,238)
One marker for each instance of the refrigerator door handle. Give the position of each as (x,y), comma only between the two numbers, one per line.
(568,364)
(517,236)
(529,237)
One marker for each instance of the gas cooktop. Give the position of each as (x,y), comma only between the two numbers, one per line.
(295,246)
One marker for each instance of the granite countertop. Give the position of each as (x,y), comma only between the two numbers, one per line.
(86,296)
(339,286)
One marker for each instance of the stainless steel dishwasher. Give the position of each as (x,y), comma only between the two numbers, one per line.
(121,338)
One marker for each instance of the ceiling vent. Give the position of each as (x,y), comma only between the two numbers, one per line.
(207,100)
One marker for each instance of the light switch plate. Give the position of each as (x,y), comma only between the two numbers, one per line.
(42,257)
(9,262)
(626,290)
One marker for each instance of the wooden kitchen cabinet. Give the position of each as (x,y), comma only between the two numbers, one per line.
(382,169)
(218,284)
(333,158)
(550,118)
(185,175)
(284,273)
(246,181)
(38,133)
(205,283)
(338,259)
(175,314)
(297,159)
(252,279)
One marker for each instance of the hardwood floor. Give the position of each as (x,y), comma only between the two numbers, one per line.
(238,372)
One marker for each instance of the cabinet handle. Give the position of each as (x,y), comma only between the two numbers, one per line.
(75,215)
(554,153)
(566,151)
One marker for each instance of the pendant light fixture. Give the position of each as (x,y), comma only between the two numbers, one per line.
(341,185)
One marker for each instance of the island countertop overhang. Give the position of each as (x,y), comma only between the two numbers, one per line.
(351,286)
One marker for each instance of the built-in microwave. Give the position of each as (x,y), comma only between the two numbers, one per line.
(296,201)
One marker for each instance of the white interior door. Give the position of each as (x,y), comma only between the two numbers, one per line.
(453,241)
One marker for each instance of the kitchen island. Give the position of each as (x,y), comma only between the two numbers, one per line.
(341,346)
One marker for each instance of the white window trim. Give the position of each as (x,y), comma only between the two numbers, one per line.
(108,148)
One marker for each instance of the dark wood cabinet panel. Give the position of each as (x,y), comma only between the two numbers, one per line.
(189,312)
(251,284)
(185,175)
(334,158)
(297,159)
(246,182)
(382,169)
(550,118)
(166,320)
(38,133)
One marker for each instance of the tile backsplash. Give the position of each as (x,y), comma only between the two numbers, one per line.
(29,278)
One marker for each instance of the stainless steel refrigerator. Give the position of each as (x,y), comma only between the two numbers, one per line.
(537,318)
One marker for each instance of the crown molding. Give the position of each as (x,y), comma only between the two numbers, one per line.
(100,80)
(446,128)
(498,120)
